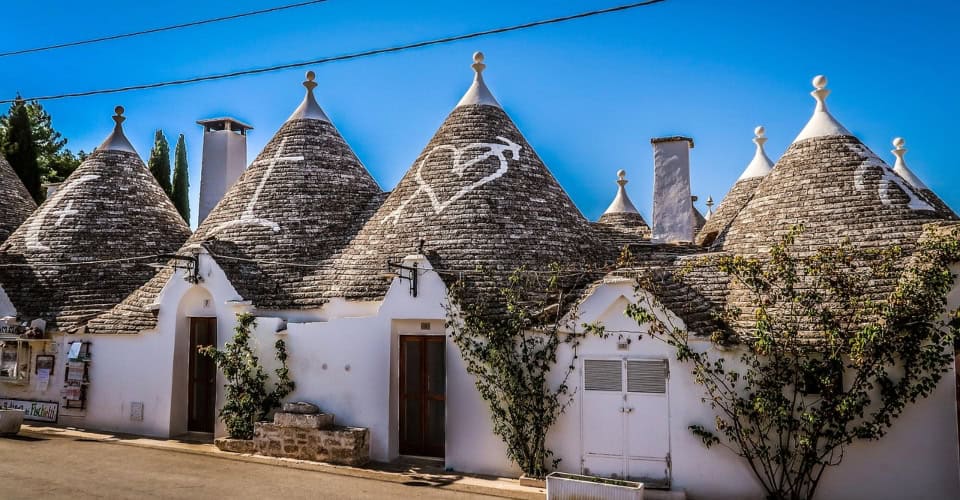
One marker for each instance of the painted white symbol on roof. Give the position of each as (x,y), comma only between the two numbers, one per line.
(459,168)
(248,217)
(887,179)
(36,225)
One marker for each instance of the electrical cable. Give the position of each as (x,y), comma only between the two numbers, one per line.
(345,57)
(159,30)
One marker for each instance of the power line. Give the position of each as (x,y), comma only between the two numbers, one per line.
(159,30)
(345,57)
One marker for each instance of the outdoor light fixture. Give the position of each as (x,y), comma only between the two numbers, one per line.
(396,270)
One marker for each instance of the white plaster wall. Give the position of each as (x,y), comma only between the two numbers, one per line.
(6,307)
(917,459)
(151,367)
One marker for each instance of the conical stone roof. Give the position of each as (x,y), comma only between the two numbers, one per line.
(297,205)
(90,244)
(833,184)
(16,204)
(478,195)
(738,196)
(900,167)
(621,223)
(300,202)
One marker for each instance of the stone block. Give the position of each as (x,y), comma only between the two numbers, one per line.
(303,421)
(300,407)
(236,445)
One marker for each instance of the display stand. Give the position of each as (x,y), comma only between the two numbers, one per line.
(76,376)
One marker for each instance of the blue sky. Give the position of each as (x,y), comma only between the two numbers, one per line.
(587,94)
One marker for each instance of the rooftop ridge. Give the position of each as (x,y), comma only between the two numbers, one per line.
(478,93)
(621,202)
(117,141)
(309,109)
(900,166)
(822,123)
(761,164)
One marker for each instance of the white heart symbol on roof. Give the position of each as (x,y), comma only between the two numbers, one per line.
(459,167)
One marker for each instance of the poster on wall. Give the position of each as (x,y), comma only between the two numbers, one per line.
(41,411)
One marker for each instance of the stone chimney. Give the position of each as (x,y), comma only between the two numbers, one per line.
(672,205)
(224,159)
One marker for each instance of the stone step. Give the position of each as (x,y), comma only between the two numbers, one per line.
(303,421)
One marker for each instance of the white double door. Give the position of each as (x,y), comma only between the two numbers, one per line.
(625,419)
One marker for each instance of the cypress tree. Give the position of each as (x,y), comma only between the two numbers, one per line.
(181,180)
(159,162)
(20,149)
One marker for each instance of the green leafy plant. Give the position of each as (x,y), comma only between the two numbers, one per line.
(509,337)
(247,399)
(824,359)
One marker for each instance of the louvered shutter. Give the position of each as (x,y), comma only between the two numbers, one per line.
(647,376)
(603,375)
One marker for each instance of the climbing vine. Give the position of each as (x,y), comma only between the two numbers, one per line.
(247,399)
(509,337)
(823,359)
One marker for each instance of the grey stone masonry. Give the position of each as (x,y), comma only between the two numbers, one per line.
(478,195)
(16,204)
(297,206)
(312,437)
(729,207)
(91,244)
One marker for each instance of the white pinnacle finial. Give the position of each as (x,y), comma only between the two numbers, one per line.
(900,166)
(710,202)
(621,203)
(309,109)
(117,141)
(478,93)
(760,165)
(822,123)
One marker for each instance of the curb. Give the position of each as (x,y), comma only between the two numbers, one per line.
(464,484)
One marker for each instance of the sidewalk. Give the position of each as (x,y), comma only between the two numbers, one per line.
(420,475)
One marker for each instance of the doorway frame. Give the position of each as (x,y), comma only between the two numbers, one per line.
(427,335)
(213,324)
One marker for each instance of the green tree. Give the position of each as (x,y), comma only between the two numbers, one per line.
(54,161)
(247,399)
(821,359)
(159,162)
(20,148)
(181,180)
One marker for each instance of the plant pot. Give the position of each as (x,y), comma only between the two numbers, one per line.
(10,422)
(563,486)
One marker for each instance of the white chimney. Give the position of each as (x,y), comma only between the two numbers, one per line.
(672,206)
(224,159)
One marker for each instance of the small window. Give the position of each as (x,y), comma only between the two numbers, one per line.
(14,357)
(603,375)
(647,376)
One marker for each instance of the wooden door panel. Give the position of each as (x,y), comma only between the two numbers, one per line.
(422,395)
(202,376)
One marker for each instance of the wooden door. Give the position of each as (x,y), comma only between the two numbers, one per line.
(422,395)
(203,376)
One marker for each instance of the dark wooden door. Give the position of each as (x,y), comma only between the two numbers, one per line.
(422,395)
(203,376)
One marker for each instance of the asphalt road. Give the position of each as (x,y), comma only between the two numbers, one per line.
(60,467)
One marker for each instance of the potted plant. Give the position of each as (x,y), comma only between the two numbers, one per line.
(10,421)
(562,486)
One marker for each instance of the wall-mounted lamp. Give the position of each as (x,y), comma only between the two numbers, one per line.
(409,273)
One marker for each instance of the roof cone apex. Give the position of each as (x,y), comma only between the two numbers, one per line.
(478,93)
(309,109)
(900,167)
(761,164)
(621,203)
(117,141)
(822,123)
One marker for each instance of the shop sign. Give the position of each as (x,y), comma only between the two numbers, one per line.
(11,329)
(40,411)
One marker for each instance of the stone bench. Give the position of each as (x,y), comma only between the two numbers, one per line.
(302,432)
